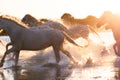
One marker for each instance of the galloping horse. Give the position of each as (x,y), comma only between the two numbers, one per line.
(74,32)
(79,31)
(70,20)
(22,38)
(112,21)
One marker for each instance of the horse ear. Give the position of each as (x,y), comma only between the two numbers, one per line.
(66,16)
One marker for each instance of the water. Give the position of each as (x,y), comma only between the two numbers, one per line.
(96,62)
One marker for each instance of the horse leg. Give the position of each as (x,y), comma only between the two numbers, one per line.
(57,53)
(16,57)
(69,55)
(114,47)
(3,58)
(117,46)
(8,44)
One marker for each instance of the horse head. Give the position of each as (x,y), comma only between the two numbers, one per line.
(66,16)
(30,20)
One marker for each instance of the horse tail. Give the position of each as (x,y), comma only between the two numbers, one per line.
(71,40)
(93,30)
(62,28)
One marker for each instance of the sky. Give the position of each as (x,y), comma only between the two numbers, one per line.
(56,8)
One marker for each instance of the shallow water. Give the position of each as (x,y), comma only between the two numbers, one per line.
(96,62)
(36,72)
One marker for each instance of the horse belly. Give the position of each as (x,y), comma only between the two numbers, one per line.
(36,45)
(38,40)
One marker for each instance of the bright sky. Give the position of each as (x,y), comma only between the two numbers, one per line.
(56,8)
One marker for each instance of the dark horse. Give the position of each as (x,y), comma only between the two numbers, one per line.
(75,31)
(112,21)
(23,38)
(78,31)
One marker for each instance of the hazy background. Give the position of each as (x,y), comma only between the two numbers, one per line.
(56,8)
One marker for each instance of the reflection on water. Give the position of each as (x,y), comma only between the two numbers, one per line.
(57,73)
(30,74)
(10,74)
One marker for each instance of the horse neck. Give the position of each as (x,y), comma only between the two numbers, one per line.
(11,27)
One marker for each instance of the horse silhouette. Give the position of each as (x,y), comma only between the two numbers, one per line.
(70,20)
(23,38)
(75,32)
(112,22)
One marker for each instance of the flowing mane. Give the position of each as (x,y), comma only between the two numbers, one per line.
(14,19)
(70,20)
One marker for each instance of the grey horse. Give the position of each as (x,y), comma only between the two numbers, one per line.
(22,38)
(82,30)
(74,32)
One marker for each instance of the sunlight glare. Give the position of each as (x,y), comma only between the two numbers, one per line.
(104,73)
(81,41)
(104,37)
(52,9)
